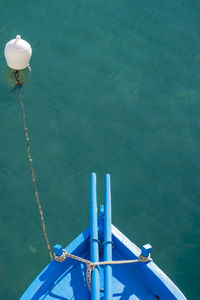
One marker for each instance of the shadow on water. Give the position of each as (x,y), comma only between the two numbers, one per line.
(10,76)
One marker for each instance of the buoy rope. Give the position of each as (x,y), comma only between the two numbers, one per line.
(18,86)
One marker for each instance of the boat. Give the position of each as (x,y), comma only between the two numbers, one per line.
(102,263)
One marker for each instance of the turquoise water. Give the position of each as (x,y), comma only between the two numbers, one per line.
(114,88)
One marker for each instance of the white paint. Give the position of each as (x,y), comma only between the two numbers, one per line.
(17,53)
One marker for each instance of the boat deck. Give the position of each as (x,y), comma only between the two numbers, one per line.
(67,280)
(72,283)
(102,241)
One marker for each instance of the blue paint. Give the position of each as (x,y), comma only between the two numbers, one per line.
(101,228)
(67,280)
(146,250)
(101,212)
(58,250)
(94,244)
(107,240)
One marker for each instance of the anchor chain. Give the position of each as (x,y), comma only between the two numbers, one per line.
(19,86)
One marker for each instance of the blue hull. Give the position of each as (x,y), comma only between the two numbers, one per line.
(67,280)
(102,241)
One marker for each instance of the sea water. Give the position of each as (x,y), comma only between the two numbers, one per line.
(114,88)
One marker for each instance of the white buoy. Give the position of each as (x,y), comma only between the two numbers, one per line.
(17,53)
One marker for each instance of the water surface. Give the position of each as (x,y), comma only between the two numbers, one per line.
(114,88)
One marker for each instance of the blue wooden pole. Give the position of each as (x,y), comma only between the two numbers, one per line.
(94,243)
(107,240)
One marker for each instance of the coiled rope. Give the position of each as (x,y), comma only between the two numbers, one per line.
(91,265)
(18,87)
